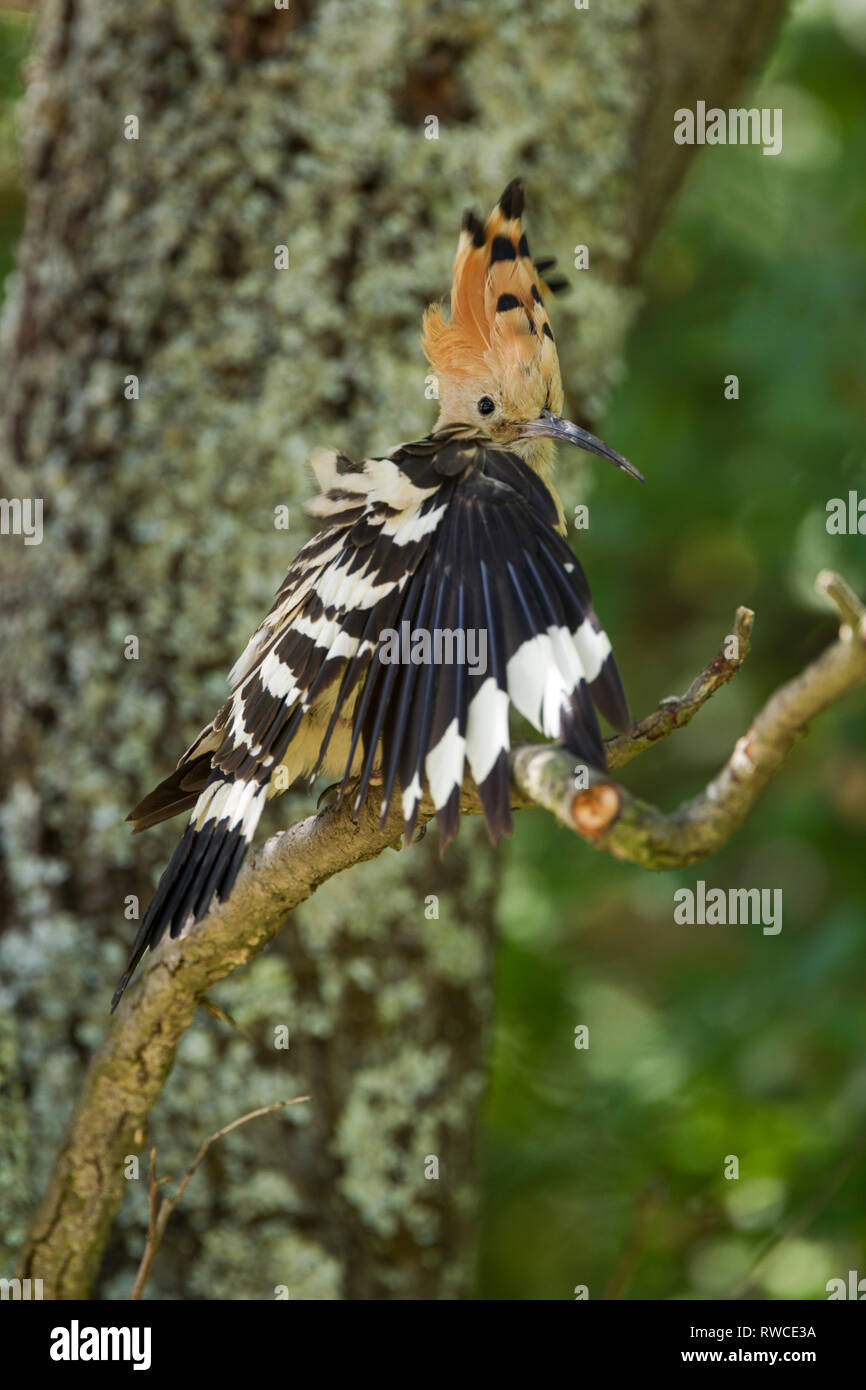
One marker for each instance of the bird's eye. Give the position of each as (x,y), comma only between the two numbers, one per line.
(486,406)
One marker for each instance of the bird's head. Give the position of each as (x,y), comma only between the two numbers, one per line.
(495,357)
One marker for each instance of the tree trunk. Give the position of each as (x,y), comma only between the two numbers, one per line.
(153,258)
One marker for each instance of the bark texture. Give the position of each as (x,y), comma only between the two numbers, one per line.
(155,258)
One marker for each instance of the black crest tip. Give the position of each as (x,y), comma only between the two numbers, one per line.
(511,202)
(474,226)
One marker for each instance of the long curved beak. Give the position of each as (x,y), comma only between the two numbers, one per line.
(550,426)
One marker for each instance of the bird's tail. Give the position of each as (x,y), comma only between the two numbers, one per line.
(205,863)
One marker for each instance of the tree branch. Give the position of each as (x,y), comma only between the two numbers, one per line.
(612,819)
(129,1070)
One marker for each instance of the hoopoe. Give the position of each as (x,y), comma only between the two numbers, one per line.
(459,531)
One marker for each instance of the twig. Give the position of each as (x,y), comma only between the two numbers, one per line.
(610,818)
(217,1011)
(646,1205)
(850,608)
(678,711)
(160,1212)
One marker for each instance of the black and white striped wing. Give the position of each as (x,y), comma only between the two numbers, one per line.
(446,536)
(339,591)
(497,572)
(319,639)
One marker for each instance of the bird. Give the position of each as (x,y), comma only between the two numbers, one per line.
(458,533)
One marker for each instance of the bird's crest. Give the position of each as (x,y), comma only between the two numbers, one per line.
(498,322)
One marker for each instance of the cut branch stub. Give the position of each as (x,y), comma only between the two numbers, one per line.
(595,810)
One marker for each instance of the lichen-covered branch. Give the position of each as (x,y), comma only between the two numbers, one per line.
(610,818)
(129,1070)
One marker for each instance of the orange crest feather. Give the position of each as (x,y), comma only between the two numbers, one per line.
(498,323)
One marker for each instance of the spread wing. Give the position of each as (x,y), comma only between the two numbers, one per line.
(341,588)
(437,594)
(509,621)
(448,546)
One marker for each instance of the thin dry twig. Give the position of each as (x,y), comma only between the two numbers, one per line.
(160,1211)
(677,711)
(647,1203)
(216,1011)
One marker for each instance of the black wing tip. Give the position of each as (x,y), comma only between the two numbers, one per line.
(145,940)
(143,944)
(502,830)
(579,729)
(204,866)
(623,723)
(448,820)
(495,795)
(609,696)
(118,993)
(499,823)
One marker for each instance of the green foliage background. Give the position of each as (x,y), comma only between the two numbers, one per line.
(711,1040)
(605,1166)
